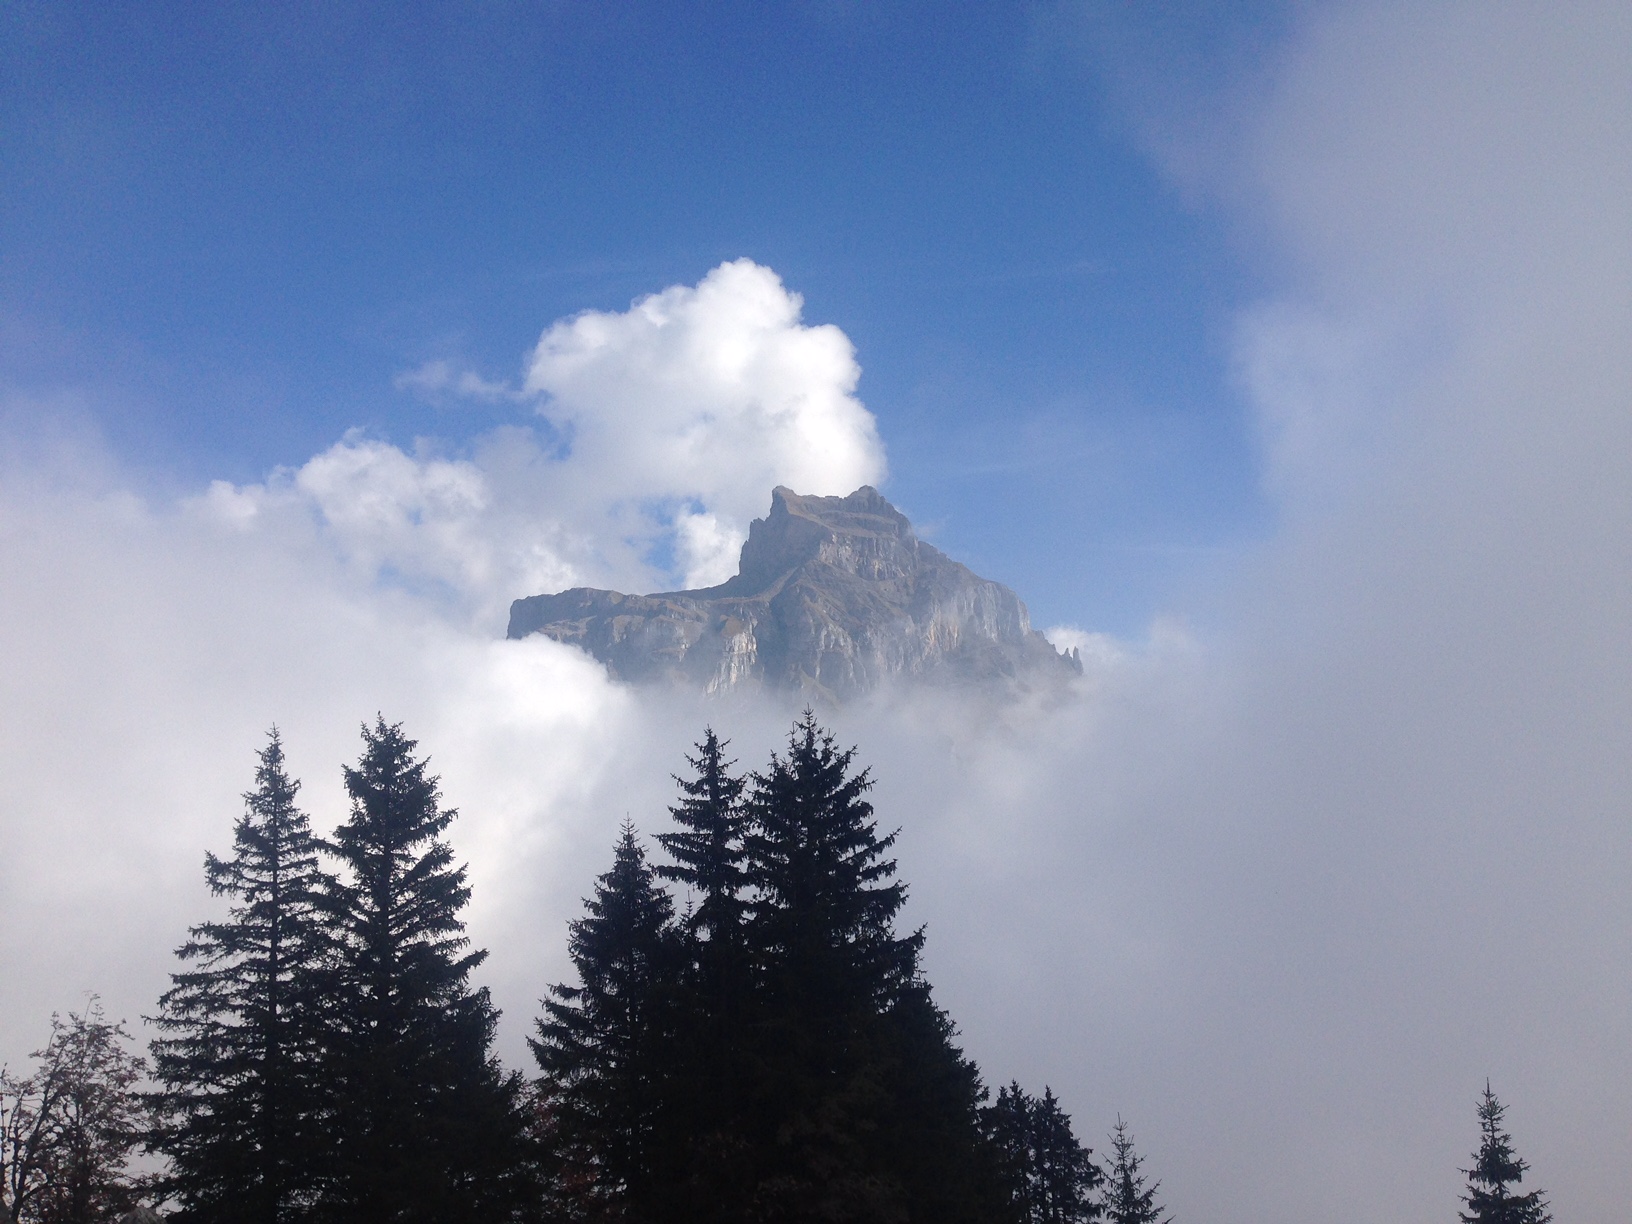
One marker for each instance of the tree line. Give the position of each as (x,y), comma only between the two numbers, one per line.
(770,1050)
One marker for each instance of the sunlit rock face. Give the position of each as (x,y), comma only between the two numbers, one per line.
(833,596)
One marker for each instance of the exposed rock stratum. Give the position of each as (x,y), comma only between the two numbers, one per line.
(833,596)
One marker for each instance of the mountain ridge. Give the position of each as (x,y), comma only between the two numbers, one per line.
(833,596)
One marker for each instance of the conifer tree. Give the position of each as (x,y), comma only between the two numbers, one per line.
(822,921)
(708,855)
(707,1078)
(1065,1172)
(928,1122)
(426,1125)
(240,1107)
(1007,1125)
(605,1046)
(1495,1168)
(871,1106)
(1127,1199)
(1048,1176)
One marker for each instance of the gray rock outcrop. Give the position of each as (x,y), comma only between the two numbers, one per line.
(833,596)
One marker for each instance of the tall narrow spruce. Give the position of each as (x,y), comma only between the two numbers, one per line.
(708,860)
(709,1078)
(1048,1176)
(426,1127)
(606,1048)
(1130,1197)
(240,1111)
(862,1107)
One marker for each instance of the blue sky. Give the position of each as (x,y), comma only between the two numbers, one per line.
(234,226)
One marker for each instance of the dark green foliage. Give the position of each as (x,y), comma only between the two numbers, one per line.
(862,1108)
(240,1108)
(425,1124)
(821,922)
(1495,1168)
(776,1055)
(928,1133)
(605,1045)
(1127,1199)
(708,852)
(1006,1123)
(773,1055)
(67,1132)
(1047,1175)
(708,1078)
(828,964)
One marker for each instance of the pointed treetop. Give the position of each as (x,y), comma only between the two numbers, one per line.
(1496,1168)
(1128,1200)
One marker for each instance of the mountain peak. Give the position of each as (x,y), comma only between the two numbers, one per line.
(799,525)
(833,595)
(865,509)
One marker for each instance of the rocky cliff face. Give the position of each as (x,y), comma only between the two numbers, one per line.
(833,595)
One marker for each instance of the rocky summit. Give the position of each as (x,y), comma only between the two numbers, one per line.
(833,596)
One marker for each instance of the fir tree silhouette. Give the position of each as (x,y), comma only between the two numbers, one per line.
(604,1045)
(426,1126)
(1127,1199)
(708,851)
(240,1107)
(1495,1168)
(872,1108)
(822,921)
(1046,1173)
(709,1077)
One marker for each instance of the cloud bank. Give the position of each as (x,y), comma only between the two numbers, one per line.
(1391,848)
(1282,894)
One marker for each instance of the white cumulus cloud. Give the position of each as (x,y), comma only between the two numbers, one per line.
(668,426)
(710,394)
(161,639)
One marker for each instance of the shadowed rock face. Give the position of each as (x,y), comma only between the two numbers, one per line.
(832,596)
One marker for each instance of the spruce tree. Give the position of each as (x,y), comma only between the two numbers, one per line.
(425,1124)
(822,920)
(1007,1125)
(928,1122)
(708,1076)
(1495,1168)
(240,1108)
(827,963)
(605,1046)
(708,858)
(1065,1171)
(1047,1175)
(1127,1199)
(863,1108)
